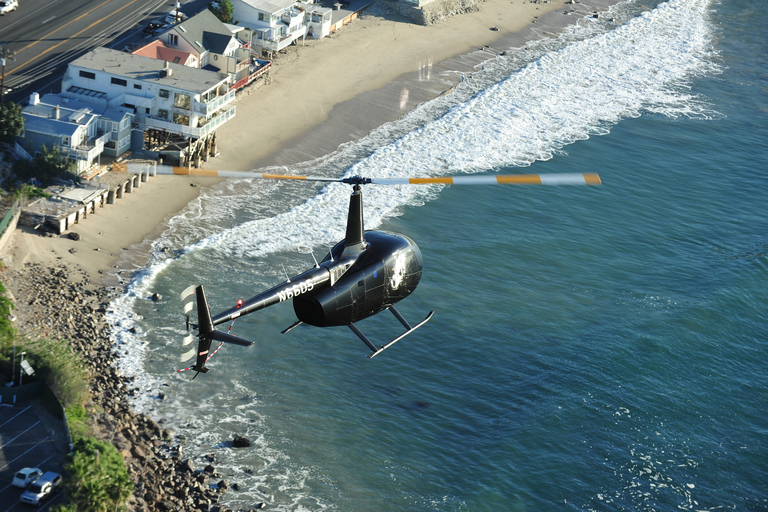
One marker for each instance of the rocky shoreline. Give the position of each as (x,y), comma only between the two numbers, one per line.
(61,302)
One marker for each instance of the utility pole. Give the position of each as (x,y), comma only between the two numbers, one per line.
(5,53)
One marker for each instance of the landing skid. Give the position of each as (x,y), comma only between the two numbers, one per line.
(409,330)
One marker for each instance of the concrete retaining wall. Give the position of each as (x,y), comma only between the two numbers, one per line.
(429,13)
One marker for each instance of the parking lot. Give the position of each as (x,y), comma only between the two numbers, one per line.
(29,437)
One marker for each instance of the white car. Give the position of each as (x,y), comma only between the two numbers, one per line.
(42,488)
(8,6)
(25,477)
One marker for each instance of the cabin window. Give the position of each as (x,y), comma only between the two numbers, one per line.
(88,74)
(119,81)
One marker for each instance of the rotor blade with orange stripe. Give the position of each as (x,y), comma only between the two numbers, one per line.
(499,179)
(211,173)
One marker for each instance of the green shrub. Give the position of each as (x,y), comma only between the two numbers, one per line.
(98,479)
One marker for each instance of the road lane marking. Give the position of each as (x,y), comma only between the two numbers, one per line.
(71,37)
(17,415)
(23,454)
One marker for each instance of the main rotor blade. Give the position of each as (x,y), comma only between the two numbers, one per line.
(210,173)
(499,179)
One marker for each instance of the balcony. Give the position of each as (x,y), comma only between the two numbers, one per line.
(89,151)
(208,108)
(205,128)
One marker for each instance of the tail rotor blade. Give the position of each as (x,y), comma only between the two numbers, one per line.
(186,356)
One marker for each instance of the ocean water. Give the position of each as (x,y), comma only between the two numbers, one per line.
(593,349)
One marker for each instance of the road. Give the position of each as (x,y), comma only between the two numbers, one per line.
(47,34)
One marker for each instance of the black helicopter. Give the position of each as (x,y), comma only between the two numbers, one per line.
(362,275)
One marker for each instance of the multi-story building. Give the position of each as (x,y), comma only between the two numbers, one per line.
(279,23)
(203,41)
(165,97)
(80,131)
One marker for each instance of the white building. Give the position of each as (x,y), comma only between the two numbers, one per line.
(279,23)
(212,42)
(80,131)
(163,96)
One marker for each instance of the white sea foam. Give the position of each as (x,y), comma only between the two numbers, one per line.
(591,82)
(578,91)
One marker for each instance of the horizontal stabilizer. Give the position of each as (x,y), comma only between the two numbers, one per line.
(228,338)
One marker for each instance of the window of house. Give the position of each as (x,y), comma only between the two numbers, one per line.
(137,86)
(146,110)
(162,114)
(262,16)
(176,60)
(181,119)
(173,39)
(88,74)
(65,140)
(164,93)
(119,81)
(183,101)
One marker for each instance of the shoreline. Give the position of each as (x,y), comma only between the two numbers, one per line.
(349,114)
(319,118)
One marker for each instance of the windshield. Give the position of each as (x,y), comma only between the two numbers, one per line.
(22,476)
(36,488)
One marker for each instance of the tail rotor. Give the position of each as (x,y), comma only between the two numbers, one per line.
(205,330)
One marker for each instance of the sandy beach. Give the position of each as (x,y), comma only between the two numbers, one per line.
(319,98)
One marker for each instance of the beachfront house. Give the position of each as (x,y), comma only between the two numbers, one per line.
(78,130)
(167,99)
(203,41)
(212,43)
(162,94)
(279,23)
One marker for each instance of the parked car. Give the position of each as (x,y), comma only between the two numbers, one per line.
(8,6)
(171,18)
(26,476)
(42,488)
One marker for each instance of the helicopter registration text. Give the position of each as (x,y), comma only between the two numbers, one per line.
(295,291)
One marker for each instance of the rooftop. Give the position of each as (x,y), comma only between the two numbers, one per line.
(158,50)
(146,69)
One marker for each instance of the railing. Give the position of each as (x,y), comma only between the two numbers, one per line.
(16,150)
(217,121)
(209,107)
(207,128)
(8,217)
(90,151)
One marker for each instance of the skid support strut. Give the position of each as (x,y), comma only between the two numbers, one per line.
(376,351)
